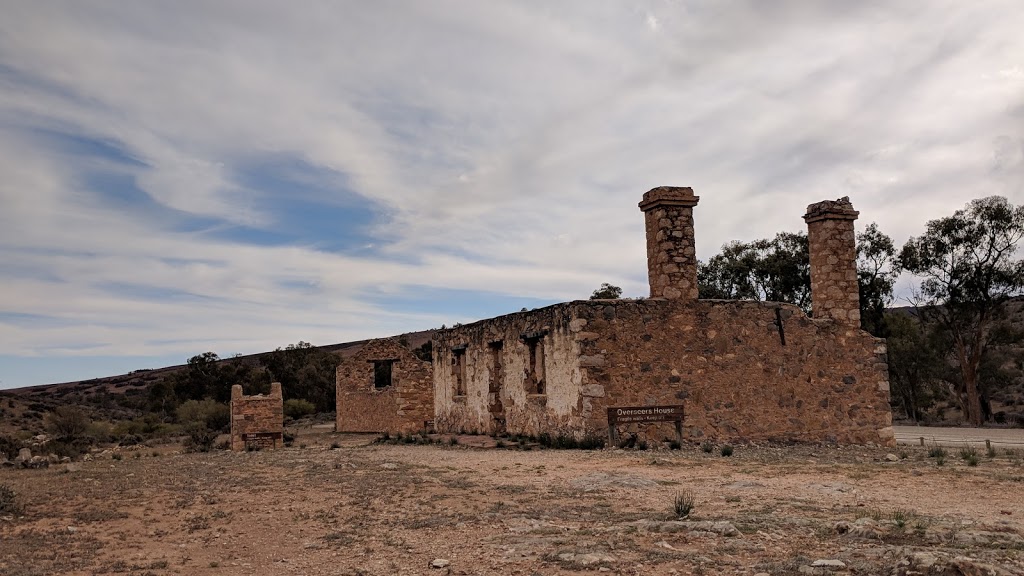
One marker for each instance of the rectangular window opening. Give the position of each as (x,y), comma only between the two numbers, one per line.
(535,367)
(497,368)
(459,369)
(383,373)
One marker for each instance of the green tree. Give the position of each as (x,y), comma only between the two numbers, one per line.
(966,262)
(916,363)
(607,292)
(776,270)
(304,371)
(877,270)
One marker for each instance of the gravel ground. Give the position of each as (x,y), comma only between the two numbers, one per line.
(340,504)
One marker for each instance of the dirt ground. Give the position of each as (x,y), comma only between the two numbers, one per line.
(340,504)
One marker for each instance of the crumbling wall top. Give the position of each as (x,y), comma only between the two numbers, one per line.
(841,209)
(668,196)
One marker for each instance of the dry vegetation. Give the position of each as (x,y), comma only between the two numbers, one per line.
(342,505)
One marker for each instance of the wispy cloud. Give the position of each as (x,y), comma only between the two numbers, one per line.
(239,175)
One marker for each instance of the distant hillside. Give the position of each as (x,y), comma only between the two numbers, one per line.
(22,408)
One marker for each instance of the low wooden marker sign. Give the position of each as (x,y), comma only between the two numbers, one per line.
(644,415)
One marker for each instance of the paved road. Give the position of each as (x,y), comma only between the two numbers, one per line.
(1000,437)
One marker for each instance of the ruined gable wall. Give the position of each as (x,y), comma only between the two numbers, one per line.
(402,407)
(524,413)
(262,415)
(725,361)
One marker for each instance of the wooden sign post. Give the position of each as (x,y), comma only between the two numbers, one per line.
(643,415)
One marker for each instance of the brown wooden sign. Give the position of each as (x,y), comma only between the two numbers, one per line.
(262,439)
(631,414)
(644,415)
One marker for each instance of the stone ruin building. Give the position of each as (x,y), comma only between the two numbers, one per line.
(257,422)
(384,388)
(742,370)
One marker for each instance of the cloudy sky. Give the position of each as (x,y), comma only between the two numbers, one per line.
(177,177)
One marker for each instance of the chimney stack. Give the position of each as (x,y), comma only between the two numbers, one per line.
(833,249)
(671,255)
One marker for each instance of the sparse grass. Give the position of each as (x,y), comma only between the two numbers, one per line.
(936,451)
(8,501)
(683,504)
(968,452)
(900,517)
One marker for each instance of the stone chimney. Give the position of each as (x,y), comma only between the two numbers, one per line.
(671,256)
(833,248)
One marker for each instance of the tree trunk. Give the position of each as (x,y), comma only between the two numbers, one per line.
(974,414)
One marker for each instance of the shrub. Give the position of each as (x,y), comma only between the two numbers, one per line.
(683,504)
(707,447)
(8,501)
(726,450)
(200,438)
(67,423)
(675,445)
(298,407)
(9,447)
(212,414)
(936,451)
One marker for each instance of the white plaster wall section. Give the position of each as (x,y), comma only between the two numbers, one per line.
(562,367)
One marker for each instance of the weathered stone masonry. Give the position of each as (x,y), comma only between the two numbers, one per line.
(744,370)
(384,388)
(833,248)
(257,421)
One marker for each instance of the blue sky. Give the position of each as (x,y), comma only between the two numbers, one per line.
(239,175)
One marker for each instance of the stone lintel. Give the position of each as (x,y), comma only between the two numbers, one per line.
(668,196)
(841,209)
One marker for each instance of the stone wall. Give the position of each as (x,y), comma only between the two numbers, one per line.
(365,404)
(257,421)
(500,387)
(743,370)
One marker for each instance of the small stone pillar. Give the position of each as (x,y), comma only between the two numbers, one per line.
(833,250)
(671,255)
(257,421)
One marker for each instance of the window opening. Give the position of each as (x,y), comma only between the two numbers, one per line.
(535,367)
(459,369)
(497,368)
(383,373)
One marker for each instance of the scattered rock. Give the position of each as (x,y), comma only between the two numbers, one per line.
(36,462)
(892,458)
(585,559)
(828,564)
(390,466)
(601,480)
(702,527)
(941,565)
(440,563)
(24,455)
